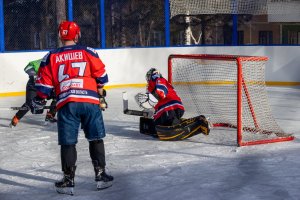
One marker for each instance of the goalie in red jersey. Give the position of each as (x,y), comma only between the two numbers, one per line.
(169,108)
(77,76)
(167,122)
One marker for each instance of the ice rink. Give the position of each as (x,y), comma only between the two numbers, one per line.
(200,168)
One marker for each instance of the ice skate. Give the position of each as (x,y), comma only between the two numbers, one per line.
(65,185)
(50,117)
(102,179)
(14,122)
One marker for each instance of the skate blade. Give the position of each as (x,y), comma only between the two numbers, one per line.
(51,120)
(11,126)
(48,123)
(101,185)
(66,190)
(210,125)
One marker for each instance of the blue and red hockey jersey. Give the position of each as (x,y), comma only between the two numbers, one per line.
(168,98)
(74,72)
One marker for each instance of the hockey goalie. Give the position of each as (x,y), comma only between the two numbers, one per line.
(164,110)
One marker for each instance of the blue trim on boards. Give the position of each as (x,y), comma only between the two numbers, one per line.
(70,10)
(234,35)
(179,46)
(234,30)
(102,24)
(2,41)
(167,23)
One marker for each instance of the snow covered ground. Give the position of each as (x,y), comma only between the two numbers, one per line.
(201,168)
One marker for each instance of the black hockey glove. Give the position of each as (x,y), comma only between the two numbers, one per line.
(102,102)
(37,105)
(52,95)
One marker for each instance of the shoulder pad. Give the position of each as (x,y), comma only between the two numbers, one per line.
(44,59)
(92,51)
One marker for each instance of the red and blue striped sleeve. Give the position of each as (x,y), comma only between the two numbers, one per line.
(98,70)
(44,80)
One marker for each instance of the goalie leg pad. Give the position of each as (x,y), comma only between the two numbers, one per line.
(186,129)
(206,125)
(147,126)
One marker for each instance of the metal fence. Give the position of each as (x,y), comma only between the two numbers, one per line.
(32,24)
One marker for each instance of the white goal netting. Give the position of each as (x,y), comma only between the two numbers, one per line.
(209,86)
(255,7)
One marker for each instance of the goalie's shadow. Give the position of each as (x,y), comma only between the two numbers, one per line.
(129,129)
(126,129)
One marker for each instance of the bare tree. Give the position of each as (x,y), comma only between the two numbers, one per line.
(134,21)
(60,14)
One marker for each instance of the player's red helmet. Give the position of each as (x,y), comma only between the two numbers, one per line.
(68,30)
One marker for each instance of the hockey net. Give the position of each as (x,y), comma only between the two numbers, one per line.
(231,91)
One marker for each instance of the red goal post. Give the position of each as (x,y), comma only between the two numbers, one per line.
(231,90)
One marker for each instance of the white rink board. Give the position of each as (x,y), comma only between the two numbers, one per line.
(128,66)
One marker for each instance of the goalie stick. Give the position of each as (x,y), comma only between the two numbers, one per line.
(23,108)
(132,112)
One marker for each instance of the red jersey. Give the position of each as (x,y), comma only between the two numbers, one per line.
(168,98)
(74,73)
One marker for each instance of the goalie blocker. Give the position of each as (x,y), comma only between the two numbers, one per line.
(186,129)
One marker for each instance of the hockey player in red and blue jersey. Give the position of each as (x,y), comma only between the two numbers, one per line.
(169,108)
(167,123)
(77,76)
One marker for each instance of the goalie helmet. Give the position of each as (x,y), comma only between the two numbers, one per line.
(152,74)
(67,30)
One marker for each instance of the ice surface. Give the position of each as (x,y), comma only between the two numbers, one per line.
(202,167)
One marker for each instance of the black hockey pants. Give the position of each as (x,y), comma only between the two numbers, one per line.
(170,118)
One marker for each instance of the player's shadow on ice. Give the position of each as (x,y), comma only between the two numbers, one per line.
(19,175)
(126,129)
(4,122)
(29,121)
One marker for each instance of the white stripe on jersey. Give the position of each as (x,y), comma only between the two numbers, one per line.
(43,85)
(162,109)
(77,96)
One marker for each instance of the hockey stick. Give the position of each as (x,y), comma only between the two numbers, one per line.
(23,108)
(132,112)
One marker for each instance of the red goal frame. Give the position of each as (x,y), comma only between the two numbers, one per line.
(241,85)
